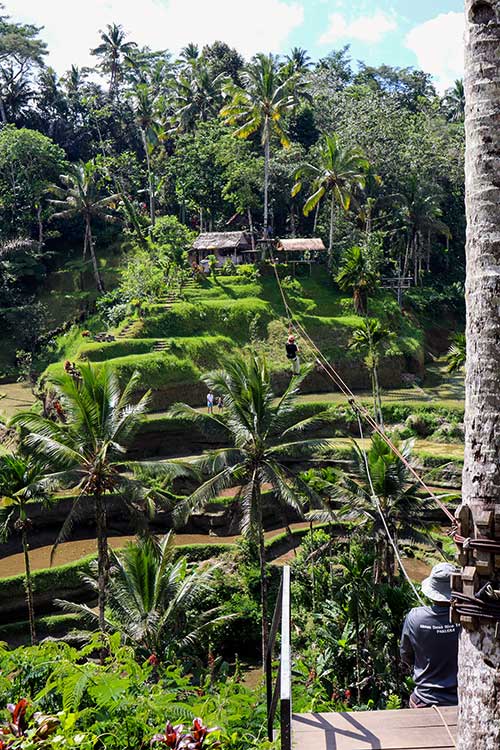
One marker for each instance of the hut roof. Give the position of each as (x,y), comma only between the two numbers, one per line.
(222,241)
(301,243)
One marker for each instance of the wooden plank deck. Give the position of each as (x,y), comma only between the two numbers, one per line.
(406,729)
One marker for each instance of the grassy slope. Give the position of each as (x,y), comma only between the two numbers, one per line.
(228,314)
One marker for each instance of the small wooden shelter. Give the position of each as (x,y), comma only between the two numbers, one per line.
(235,246)
(303,250)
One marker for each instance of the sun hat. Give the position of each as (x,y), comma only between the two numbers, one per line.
(437,586)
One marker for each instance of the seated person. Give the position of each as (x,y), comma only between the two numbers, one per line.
(429,643)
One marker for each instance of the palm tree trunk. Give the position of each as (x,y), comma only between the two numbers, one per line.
(257,500)
(40,225)
(102,556)
(332,222)
(90,243)
(267,136)
(151,189)
(378,398)
(250,228)
(479,652)
(316,212)
(3,114)
(28,586)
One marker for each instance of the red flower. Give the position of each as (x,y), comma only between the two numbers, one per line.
(347,694)
(18,712)
(172,736)
(153,660)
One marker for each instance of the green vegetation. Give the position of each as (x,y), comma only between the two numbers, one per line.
(118,345)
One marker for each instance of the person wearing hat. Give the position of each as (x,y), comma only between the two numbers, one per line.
(291,352)
(429,643)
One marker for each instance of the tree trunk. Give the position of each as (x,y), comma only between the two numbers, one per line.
(263,580)
(102,556)
(479,652)
(267,136)
(316,212)
(40,225)
(332,222)
(90,241)
(3,114)
(377,398)
(151,187)
(28,586)
(250,229)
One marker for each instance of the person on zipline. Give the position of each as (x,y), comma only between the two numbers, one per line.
(292,351)
(429,643)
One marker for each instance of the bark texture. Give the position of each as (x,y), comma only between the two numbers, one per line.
(479,659)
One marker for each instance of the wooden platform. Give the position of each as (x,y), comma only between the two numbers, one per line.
(407,729)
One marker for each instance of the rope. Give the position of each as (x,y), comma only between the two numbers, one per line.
(445,725)
(330,371)
(376,502)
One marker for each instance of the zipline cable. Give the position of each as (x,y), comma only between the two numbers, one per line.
(330,371)
(376,502)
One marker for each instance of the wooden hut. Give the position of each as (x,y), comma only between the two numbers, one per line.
(235,246)
(304,250)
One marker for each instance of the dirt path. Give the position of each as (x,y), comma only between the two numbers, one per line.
(15,397)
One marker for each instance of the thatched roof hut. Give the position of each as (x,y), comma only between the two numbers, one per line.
(300,244)
(212,242)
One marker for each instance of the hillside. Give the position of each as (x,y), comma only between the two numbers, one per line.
(173,343)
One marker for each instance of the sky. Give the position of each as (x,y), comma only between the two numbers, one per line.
(418,33)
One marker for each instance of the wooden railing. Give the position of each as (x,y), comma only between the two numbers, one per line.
(282,687)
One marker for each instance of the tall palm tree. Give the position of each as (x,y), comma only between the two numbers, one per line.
(479,652)
(21,484)
(393,496)
(357,275)
(298,61)
(371,338)
(112,51)
(151,132)
(86,448)
(455,101)
(260,106)
(337,172)
(81,197)
(155,598)
(422,218)
(261,434)
(197,96)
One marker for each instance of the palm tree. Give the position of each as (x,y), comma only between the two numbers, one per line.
(86,448)
(456,354)
(80,197)
(379,485)
(261,433)
(112,51)
(371,338)
(151,131)
(455,101)
(198,96)
(337,172)
(21,484)
(479,652)
(298,61)
(155,598)
(422,218)
(356,274)
(260,105)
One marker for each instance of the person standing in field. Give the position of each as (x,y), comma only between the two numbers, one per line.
(210,402)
